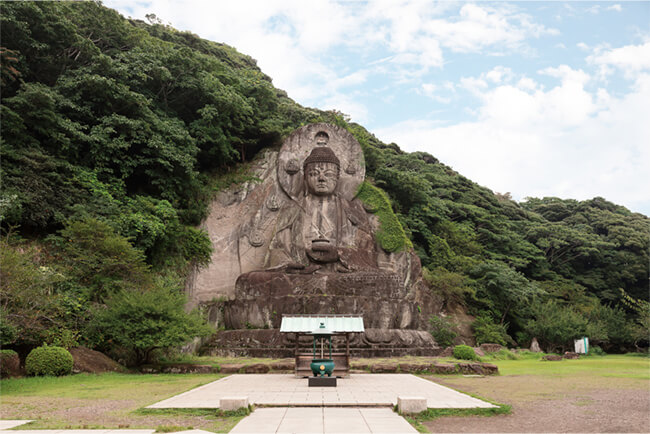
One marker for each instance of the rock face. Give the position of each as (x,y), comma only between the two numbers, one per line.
(272,343)
(300,242)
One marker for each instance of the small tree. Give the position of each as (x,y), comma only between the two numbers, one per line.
(143,321)
(556,325)
(442,331)
(487,331)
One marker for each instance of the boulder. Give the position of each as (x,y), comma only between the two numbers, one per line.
(552,358)
(571,355)
(534,346)
(491,348)
(87,360)
(478,351)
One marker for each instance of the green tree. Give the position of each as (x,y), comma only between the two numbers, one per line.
(555,325)
(29,302)
(100,260)
(141,321)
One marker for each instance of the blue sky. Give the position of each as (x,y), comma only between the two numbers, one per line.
(532,98)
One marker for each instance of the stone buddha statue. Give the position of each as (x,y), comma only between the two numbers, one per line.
(299,241)
(321,231)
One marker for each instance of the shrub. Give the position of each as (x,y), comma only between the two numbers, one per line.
(503,354)
(143,321)
(48,360)
(441,330)
(465,352)
(595,350)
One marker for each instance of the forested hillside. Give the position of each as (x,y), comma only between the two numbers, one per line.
(117,133)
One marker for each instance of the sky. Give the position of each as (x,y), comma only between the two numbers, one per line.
(531,98)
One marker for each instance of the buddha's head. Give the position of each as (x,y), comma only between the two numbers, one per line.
(321,169)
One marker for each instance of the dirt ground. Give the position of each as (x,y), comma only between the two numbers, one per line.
(555,404)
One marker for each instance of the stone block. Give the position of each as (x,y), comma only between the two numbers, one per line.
(231,368)
(379,368)
(414,367)
(411,404)
(443,368)
(284,365)
(257,368)
(232,403)
(490,369)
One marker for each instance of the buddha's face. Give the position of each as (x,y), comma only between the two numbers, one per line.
(322,178)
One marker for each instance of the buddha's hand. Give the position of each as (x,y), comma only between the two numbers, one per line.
(323,253)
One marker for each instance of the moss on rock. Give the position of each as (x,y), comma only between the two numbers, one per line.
(391,235)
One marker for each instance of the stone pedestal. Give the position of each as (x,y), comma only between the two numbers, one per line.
(322,381)
(411,404)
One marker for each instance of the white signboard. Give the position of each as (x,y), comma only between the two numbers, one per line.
(581,345)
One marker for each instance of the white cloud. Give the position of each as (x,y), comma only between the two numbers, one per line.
(499,74)
(631,59)
(615,7)
(478,27)
(434,92)
(293,40)
(563,142)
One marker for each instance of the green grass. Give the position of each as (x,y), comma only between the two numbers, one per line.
(105,386)
(619,365)
(216,361)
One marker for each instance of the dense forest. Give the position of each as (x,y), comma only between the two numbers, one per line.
(117,133)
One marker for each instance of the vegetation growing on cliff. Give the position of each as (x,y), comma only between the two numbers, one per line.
(115,132)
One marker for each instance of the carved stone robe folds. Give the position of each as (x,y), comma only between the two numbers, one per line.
(345,223)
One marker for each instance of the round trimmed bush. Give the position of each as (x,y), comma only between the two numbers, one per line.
(464,352)
(49,360)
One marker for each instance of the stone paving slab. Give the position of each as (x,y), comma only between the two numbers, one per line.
(356,391)
(323,420)
(8,424)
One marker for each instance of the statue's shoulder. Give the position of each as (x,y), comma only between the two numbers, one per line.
(355,212)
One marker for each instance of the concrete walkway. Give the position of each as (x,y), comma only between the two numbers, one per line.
(323,420)
(360,390)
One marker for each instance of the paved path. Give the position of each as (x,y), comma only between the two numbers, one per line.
(323,420)
(356,391)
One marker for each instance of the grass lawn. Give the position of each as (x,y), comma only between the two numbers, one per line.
(107,401)
(592,394)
